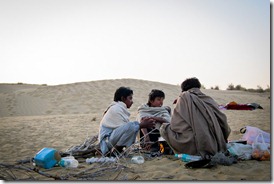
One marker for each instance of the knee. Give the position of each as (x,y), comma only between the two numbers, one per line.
(133,126)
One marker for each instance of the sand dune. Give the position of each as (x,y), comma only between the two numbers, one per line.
(37,116)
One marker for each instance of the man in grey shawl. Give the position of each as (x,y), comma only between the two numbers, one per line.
(197,125)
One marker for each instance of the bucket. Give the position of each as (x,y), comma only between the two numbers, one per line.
(47,158)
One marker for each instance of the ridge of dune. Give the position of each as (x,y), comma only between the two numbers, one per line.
(75,98)
(91,97)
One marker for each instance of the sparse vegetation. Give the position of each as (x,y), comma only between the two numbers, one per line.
(215,88)
(230,87)
(240,88)
(267,89)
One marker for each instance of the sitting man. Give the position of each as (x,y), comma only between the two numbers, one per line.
(155,111)
(116,131)
(197,125)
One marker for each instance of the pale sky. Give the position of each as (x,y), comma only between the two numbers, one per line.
(65,41)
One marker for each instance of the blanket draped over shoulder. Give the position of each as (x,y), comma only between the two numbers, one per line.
(115,115)
(147,111)
(197,126)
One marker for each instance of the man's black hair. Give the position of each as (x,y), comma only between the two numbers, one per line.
(190,83)
(122,92)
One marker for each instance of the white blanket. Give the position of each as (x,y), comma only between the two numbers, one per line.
(116,115)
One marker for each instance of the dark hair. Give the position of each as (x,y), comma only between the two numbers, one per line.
(155,93)
(122,92)
(190,83)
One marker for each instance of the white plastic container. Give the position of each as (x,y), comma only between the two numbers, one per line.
(137,159)
(69,162)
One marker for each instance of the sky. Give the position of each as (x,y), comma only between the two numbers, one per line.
(221,42)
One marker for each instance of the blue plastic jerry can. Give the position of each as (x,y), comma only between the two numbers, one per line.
(47,158)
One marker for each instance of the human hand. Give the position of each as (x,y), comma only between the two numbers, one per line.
(156,119)
(147,122)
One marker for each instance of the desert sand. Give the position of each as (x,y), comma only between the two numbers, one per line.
(36,116)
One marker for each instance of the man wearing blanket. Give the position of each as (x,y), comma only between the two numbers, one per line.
(116,131)
(197,125)
(155,111)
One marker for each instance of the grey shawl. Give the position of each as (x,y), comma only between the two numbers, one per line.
(147,111)
(197,125)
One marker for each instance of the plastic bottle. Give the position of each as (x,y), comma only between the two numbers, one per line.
(137,159)
(188,158)
(102,159)
(69,162)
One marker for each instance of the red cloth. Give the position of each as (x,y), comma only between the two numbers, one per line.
(238,107)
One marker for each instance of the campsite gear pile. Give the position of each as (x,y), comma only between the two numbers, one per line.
(259,140)
(257,144)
